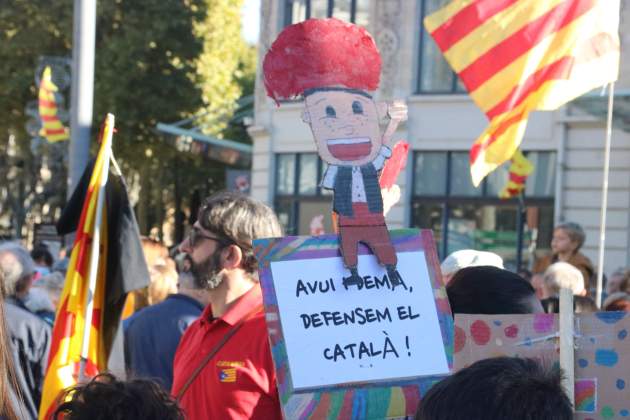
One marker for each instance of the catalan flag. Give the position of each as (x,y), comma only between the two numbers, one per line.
(53,129)
(120,268)
(227,375)
(518,172)
(517,56)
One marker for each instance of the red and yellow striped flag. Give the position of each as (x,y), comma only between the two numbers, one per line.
(518,172)
(52,128)
(67,339)
(517,56)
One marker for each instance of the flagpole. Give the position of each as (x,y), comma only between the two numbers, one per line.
(82,88)
(95,248)
(602,222)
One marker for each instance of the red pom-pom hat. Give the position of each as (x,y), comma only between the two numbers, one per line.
(320,53)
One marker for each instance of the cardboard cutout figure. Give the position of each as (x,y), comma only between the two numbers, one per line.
(335,65)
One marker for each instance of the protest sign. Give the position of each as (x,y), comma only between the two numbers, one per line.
(365,350)
(602,353)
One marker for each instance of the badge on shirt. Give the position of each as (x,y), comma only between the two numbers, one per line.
(227,370)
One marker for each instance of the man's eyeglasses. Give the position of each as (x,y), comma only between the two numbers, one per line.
(196,236)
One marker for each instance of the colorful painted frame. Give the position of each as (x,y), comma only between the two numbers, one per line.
(602,353)
(390,400)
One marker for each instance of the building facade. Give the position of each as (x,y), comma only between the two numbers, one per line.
(566,146)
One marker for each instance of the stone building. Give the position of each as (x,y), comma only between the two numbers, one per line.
(567,146)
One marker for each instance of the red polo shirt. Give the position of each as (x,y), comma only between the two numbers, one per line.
(239,382)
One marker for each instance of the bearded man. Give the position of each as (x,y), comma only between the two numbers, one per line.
(223,366)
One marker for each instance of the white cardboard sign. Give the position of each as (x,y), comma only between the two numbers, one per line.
(336,336)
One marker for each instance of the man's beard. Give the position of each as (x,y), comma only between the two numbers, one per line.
(207,274)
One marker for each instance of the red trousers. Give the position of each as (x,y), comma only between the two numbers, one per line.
(369,228)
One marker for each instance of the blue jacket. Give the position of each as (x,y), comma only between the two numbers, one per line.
(152,336)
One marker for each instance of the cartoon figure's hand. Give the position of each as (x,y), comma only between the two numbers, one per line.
(397,110)
(391,196)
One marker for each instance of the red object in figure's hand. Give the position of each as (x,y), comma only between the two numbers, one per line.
(394,164)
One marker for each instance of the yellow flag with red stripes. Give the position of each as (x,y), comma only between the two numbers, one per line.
(518,172)
(518,56)
(53,129)
(70,321)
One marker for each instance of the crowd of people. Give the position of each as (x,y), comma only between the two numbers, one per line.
(195,341)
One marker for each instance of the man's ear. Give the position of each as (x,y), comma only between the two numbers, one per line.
(231,257)
(381,108)
(306,117)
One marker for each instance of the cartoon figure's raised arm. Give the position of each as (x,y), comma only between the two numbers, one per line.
(397,113)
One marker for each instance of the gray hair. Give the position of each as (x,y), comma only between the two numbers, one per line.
(53,281)
(239,219)
(574,231)
(17,267)
(564,275)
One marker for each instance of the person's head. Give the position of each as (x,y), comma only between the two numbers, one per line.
(567,238)
(624,285)
(163,282)
(17,269)
(619,301)
(613,284)
(53,285)
(41,256)
(502,388)
(161,270)
(581,305)
(220,242)
(6,365)
(584,305)
(107,398)
(155,253)
(467,258)
(334,64)
(563,275)
(491,290)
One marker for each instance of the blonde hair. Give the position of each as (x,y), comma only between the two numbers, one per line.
(163,279)
(7,377)
(163,282)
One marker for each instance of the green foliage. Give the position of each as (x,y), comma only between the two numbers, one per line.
(28,29)
(220,65)
(156,61)
(145,69)
(245,77)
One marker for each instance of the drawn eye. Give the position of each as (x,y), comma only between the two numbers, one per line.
(357,108)
(330,112)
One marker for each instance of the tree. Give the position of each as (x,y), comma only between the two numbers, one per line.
(29,29)
(156,61)
(221,64)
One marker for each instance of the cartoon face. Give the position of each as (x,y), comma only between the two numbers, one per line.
(345,126)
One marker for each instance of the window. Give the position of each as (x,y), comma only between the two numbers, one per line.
(434,73)
(462,216)
(355,11)
(303,208)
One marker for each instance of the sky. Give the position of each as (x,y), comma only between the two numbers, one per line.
(251,20)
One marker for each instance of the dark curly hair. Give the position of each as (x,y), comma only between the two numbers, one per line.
(105,397)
